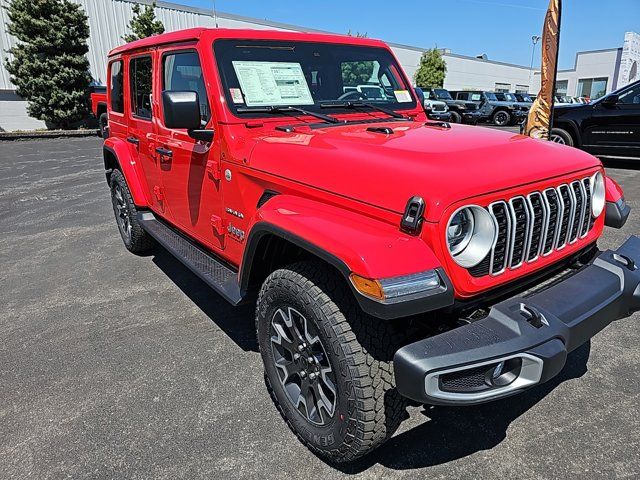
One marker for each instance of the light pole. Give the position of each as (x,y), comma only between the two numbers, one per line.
(534,39)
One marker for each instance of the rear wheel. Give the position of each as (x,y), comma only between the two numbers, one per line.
(133,235)
(501,118)
(103,125)
(558,135)
(328,366)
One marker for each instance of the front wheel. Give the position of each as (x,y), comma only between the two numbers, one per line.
(502,118)
(456,117)
(328,366)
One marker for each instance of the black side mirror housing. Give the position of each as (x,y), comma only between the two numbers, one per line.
(610,100)
(182,110)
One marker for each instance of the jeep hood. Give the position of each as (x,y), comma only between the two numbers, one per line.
(443,165)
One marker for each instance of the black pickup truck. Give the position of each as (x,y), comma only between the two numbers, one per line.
(608,127)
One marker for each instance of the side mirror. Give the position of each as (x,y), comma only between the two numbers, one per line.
(182,110)
(610,100)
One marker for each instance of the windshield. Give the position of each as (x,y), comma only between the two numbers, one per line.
(259,73)
(442,94)
(511,97)
(501,96)
(490,96)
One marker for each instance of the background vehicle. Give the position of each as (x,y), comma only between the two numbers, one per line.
(510,97)
(461,111)
(500,113)
(377,244)
(525,98)
(99,108)
(607,127)
(434,109)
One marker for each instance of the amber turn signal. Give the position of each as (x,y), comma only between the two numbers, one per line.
(368,287)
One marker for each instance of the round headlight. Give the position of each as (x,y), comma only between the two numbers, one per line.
(598,194)
(471,232)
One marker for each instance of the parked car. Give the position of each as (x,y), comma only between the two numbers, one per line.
(501,113)
(510,97)
(387,256)
(98,96)
(461,111)
(434,109)
(525,98)
(607,127)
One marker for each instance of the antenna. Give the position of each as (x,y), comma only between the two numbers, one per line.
(215,15)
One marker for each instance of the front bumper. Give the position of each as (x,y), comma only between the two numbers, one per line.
(439,116)
(524,341)
(472,117)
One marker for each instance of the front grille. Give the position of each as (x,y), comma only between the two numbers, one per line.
(438,108)
(536,225)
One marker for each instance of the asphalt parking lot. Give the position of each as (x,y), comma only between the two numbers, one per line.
(118,366)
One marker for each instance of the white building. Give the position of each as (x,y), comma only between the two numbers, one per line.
(108,20)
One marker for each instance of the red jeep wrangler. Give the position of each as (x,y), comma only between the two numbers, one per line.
(393,258)
(99,108)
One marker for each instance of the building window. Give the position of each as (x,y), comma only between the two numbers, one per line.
(562,87)
(182,72)
(522,88)
(117,91)
(140,81)
(503,87)
(592,88)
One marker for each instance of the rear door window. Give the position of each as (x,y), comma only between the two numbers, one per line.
(140,75)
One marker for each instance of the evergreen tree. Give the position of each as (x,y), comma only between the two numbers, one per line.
(432,70)
(356,73)
(144,23)
(49,65)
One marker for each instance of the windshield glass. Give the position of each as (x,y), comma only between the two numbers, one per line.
(501,96)
(442,94)
(491,96)
(511,97)
(259,73)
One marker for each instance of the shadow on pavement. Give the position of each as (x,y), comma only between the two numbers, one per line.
(236,322)
(451,433)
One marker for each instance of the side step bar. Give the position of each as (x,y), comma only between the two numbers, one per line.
(212,271)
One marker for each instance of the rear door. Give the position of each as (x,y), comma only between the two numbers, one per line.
(615,130)
(190,169)
(140,131)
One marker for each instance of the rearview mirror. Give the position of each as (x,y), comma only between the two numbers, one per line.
(182,110)
(610,100)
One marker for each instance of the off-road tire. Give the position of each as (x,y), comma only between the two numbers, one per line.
(103,126)
(138,241)
(455,117)
(502,118)
(359,349)
(561,136)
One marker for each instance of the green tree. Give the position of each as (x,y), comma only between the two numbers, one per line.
(356,73)
(432,70)
(144,23)
(49,65)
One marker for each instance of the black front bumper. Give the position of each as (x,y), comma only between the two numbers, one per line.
(524,341)
(439,116)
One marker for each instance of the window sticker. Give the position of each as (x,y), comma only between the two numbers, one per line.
(402,96)
(236,95)
(272,83)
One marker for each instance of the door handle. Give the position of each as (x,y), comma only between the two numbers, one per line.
(133,140)
(164,152)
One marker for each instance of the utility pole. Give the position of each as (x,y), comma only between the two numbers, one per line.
(534,39)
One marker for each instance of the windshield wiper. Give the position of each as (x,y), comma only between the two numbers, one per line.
(287,109)
(358,104)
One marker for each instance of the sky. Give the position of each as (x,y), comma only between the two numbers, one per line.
(502,29)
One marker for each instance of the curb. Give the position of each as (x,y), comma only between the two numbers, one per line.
(48,134)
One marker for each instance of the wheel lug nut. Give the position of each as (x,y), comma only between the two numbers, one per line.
(296,356)
(310,359)
(302,346)
(312,376)
(303,374)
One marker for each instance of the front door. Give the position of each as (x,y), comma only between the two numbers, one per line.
(614,130)
(140,134)
(190,169)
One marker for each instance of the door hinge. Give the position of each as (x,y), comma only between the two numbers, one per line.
(157,191)
(213,169)
(218,224)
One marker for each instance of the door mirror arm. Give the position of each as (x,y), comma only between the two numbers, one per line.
(204,135)
(610,101)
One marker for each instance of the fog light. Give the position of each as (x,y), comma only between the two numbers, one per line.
(504,373)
